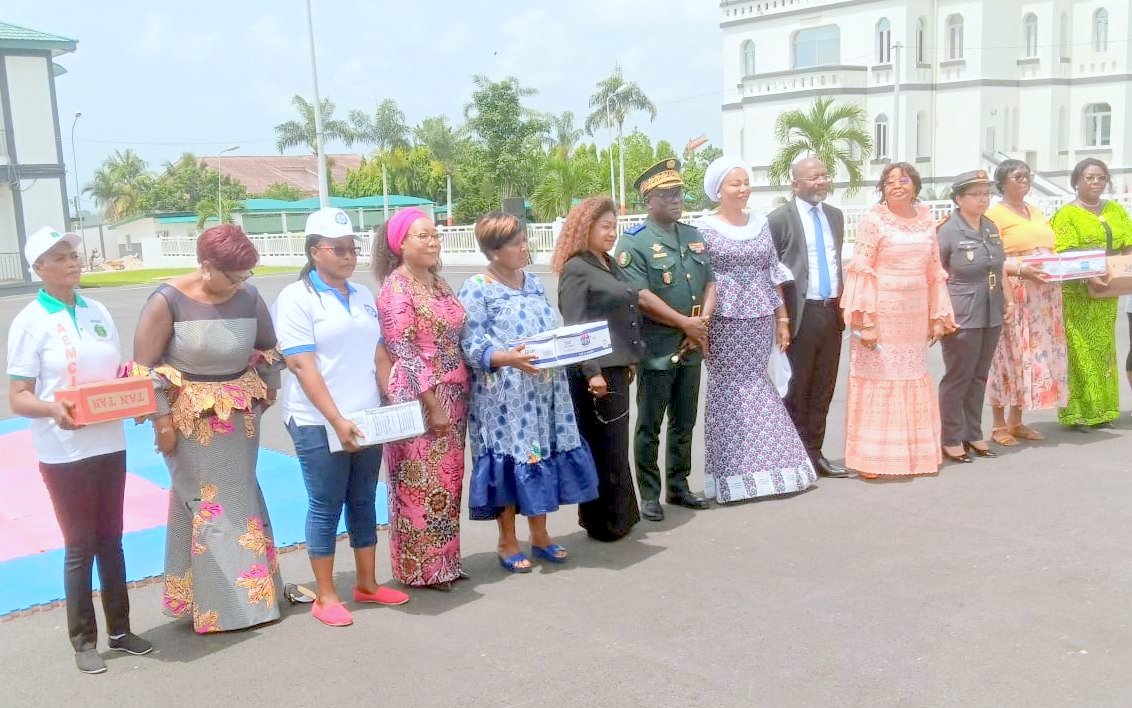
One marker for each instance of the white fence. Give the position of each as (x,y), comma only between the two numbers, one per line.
(460,245)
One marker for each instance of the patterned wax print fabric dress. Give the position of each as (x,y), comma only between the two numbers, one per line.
(422,327)
(220,564)
(1090,323)
(526,449)
(752,447)
(1029,366)
(892,419)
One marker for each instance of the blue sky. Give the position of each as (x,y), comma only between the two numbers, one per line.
(162,78)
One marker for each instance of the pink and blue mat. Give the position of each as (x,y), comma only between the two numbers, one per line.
(31,545)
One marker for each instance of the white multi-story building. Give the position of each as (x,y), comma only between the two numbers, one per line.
(33,191)
(948,85)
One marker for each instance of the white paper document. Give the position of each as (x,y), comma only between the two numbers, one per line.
(382,425)
(568,345)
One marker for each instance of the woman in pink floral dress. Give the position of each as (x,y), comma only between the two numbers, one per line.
(421,321)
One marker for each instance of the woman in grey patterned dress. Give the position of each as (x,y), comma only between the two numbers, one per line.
(207,341)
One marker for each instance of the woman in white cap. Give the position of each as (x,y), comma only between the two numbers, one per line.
(329,334)
(752,447)
(62,339)
(206,340)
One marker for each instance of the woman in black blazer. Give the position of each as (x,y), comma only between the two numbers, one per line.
(591,287)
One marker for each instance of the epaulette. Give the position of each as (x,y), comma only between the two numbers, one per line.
(634,230)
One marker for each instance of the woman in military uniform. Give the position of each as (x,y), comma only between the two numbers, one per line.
(970,250)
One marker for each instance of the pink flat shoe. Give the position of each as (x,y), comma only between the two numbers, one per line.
(383,596)
(335,615)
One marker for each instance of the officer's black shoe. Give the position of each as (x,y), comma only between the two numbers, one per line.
(688,499)
(651,510)
(829,469)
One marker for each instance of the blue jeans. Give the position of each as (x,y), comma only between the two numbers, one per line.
(334,480)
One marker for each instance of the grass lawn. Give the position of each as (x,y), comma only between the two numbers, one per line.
(145,276)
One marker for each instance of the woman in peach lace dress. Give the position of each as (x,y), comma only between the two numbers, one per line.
(896,305)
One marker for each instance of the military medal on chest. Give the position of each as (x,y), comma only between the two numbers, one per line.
(667,277)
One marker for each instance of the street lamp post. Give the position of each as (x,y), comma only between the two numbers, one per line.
(621,157)
(609,121)
(219,185)
(78,207)
(621,151)
(323,189)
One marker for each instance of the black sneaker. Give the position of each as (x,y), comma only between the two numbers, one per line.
(131,644)
(89,662)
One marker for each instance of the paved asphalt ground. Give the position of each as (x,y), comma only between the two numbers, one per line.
(1001,583)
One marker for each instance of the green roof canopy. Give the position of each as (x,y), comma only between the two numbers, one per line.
(311,203)
(16,37)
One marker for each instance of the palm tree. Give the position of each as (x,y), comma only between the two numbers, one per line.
(440,138)
(206,209)
(118,184)
(833,133)
(562,182)
(296,133)
(562,135)
(385,129)
(614,99)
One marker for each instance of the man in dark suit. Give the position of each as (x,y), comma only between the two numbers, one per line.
(808,235)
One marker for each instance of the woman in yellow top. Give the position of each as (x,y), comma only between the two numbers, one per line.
(1028,371)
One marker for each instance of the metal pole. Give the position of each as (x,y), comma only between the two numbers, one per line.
(78,207)
(612,177)
(323,188)
(621,169)
(384,192)
(219,188)
(896,101)
(448,211)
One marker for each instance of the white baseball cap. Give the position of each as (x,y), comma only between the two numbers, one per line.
(44,240)
(329,222)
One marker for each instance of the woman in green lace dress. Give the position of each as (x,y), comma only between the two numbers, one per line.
(1091,222)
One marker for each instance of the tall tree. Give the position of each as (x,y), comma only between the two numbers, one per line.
(184,183)
(563,135)
(614,99)
(385,129)
(206,209)
(302,133)
(119,183)
(564,180)
(505,128)
(442,140)
(834,133)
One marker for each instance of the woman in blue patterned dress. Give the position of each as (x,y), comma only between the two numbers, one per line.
(752,448)
(528,456)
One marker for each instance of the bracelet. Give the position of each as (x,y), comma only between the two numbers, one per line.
(784,319)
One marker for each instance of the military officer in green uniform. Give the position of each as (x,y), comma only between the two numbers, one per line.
(666,259)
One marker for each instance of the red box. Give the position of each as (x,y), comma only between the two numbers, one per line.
(104,401)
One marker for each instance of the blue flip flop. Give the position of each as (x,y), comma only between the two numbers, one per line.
(550,553)
(511,563)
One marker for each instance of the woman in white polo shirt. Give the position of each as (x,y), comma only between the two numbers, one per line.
(58,340)
(329,334)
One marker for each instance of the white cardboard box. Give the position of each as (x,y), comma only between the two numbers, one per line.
(381,425)
(568,345)
(1070,265)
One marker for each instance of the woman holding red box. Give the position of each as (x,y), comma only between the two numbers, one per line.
(62,339)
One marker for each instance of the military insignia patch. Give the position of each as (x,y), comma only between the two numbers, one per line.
(696,247)
(623,259)
(667,277)
(657,247)
(100,331)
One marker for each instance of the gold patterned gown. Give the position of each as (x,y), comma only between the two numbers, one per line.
(212,370)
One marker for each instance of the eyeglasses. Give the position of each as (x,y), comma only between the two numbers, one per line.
(669,195)
(425,237)
(238,279)
(816,179)
(1021,178)
(609,395)
(977,195)
(902,182)
(341,251)
(1095,179)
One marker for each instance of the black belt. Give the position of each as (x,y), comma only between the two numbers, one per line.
(828,302)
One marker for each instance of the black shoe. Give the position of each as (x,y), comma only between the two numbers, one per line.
(829,469)
(131,644)
(651,510)
(89,662)
(688,500)
(964,458)
(981,453)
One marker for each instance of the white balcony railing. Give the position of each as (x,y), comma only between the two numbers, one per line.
(830,78)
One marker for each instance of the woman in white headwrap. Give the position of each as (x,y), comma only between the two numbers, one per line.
(753,449)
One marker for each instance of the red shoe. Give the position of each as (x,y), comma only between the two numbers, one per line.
(383,596)
(335,615)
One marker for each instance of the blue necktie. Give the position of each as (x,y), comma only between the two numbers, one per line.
(824,288)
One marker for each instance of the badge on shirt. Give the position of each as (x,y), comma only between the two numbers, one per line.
(656,247)
(100,331)
(970,255)
(372,312)
(667,277)
(660,255)
(697,247)
(623,259)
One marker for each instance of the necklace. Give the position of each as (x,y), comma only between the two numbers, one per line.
(1087,205)
(514,281)
(428,282)
(1022,210)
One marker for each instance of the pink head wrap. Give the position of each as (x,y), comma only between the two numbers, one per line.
(398,227)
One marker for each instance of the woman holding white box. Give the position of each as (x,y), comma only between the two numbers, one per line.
(527,454)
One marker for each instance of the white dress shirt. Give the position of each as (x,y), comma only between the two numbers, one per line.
(804,213)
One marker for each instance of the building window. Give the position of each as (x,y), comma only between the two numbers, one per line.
(1030,31)
(884,41)
(922,136)
(1062,129)
(990,140)
(921,40)
(1063,36)
(1098,125)
(955,37)
(748,58)
(1100,30)
(880,136)
(817,46)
